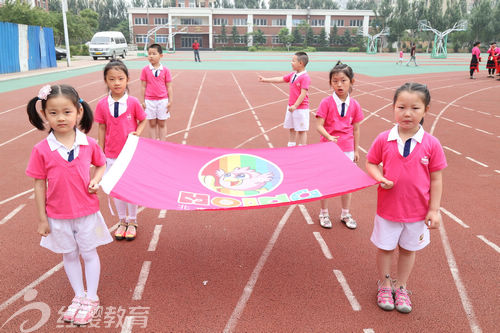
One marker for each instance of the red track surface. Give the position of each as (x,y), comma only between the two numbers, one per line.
(204,260)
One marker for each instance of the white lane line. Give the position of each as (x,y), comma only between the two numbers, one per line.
(162,214)
(368,330)
(306,215)
(347,291)
(12,214)
(497,171)
(186,134)
(462,292)
(483,131)
(385,119)
(452,150)
(156,237)
(464,125)
(363,150)
(447,119)
(141,283)
(247,291)
(466,108)
(493,245)
(17,137)
(476,161)
(16,196)
(127,324)
(486,113)
(323,245)
(374,113)
(454,218)
(140,209)
(32,196)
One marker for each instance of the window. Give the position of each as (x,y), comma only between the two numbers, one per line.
(355,23)
(260,21)
(220,40)
(275,40)
(163,39)
(220,21)
(240,21)
(161,20)
(318,22)
(141,39)
(279,22)
(190,21)
(337,23)
(297,22)
(141,21)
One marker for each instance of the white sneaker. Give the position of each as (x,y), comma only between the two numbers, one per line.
(324,221)
(349,221)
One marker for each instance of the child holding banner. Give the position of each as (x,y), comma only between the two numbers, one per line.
(409,195)
(337,119)
(297,113)
(119,115)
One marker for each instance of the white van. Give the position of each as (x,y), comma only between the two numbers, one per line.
(108,44)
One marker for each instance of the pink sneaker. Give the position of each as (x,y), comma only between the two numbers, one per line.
(403,303)
(69,315)
(385,299)
(88,309)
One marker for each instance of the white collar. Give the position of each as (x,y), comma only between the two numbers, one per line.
(339,102)
(80,139)
(297,74)
(122,100)
(155,69)
(394,135)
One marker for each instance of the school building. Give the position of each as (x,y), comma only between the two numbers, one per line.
(180,26)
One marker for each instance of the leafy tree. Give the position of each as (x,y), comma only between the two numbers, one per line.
(281,4)
(297,37)
(482,22)
(258,37)
(285,37)
(347,37)
(223,35)
(334,36)
(322,42)
(235,36)
(309,36)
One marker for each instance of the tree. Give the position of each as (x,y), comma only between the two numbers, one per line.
(481,21)
(309,36)
(347,37)
(285,38)
(322,42)
(235,36)
(258,37)
(297,37)
(223,35)
(334,36)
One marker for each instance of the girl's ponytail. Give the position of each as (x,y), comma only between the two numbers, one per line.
(87,117)
(33,115)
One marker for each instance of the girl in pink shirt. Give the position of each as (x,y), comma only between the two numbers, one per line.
(337,120)
(119,115)
(475,60)
(409,195)
(65,192)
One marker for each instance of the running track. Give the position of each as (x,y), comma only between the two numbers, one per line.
(275,269)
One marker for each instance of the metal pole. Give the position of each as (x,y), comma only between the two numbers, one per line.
(66,40)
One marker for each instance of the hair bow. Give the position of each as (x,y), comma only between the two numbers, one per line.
(44,92)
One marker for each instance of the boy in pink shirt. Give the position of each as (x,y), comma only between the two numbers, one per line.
(409,195)
(297,114)
(156,93)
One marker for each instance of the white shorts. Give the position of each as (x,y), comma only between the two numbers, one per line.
(350,154)
(83,233)
(411,236)
(298,120)
(157,109)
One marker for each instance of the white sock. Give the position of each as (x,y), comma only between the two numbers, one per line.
(132,212)
(291,144)
(324,212)
(92,272)
(73,269)
(121,208)
(344,212)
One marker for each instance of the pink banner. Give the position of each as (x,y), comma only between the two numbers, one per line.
(171,176)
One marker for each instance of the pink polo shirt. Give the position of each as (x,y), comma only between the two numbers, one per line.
(156,86)
(303,81)
(340,126)
(408,200)
(67,195)
(476,51)
(118,129)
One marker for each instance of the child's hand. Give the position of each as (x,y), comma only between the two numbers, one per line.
(143,104)
(261,78)
(43,228)
(356,157)
(292,108)
(333,138)
(135,133)
(386,183)
(433,219)
(93,186)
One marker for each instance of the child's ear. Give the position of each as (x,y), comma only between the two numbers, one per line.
(427,108)
(352,81)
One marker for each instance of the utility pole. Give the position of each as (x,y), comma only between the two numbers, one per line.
(66,40)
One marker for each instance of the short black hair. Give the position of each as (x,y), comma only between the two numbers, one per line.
(302,57)
(157,47)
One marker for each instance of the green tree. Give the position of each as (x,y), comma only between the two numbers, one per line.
(334,36)
(258,37)
(347,37)
(285,38)
(322,42)
(223,35)
(235,36)
(481,21)
(297,37)
(309,36)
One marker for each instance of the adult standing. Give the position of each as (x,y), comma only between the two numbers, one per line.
(196,47)
(413,52)
(476,58)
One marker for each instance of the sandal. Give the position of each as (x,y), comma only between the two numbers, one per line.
(121,231)
(131,231)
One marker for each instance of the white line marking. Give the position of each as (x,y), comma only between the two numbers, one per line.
(127,324)
(363,150)
(193,111)
(483,131)
(448,119)
(247,291)
(16,196)
(162,214)
(454,218)
(452,150)
(493,245)
(305,213)
(486,113)
(466,108)
(464,125)
(17,137)
(385,119)
(11,214)
(140,209)
(368,330)
(155,238)
(497,171)
(323,245)
(374,113)
(347,291)
(143,277)
(476,161)
(462,292)
(32,196)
